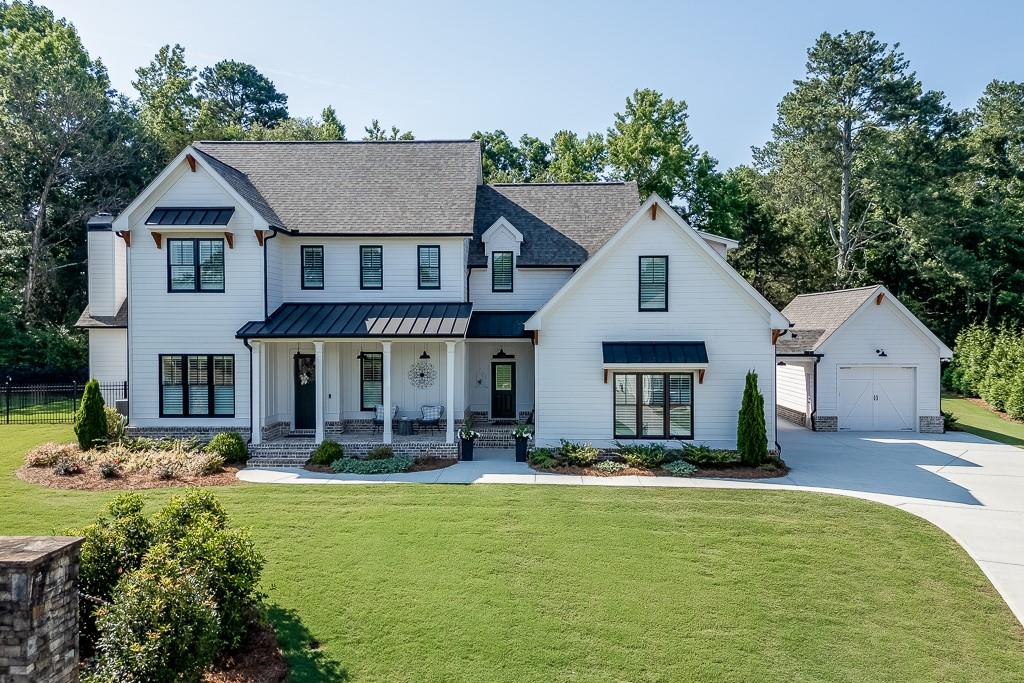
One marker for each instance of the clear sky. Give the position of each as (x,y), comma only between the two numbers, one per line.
(445,69)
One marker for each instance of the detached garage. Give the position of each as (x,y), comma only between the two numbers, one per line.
(858,360)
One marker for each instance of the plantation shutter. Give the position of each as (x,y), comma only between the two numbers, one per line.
(171,385)
(429,267)
(223,385)
(371,267)
(501,271)
(312,267)
(653,283)
(211,265)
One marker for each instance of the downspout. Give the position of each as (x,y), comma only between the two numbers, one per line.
(814,411)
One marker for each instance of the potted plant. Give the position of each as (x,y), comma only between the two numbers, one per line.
(522,433)
(467,436)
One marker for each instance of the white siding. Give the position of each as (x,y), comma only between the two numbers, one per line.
(705,304)
(478,373)
(190,323)
(855,343)
(791,386)
(341,270)
(531,289)
(101,269)
(108,355)
(275,246)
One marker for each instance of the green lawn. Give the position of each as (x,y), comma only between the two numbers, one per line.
(573,584)
(983,422)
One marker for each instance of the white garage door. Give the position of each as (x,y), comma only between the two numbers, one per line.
(874,399)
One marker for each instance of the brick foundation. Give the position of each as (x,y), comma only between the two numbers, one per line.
(198,431)
(931,424)
(39,608)
(826,423)
(789,415)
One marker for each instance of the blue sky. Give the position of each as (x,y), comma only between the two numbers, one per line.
(445,69)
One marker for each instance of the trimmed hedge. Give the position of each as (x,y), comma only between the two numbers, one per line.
(989,363)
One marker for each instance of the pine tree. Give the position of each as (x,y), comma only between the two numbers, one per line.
(90,419)
(751,434)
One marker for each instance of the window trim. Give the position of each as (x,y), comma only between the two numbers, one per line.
(362,378)
(639,283)
(419,273)
(209,384)
(511,274)
(362,281)
(198,289)
(302,265)
(666,406)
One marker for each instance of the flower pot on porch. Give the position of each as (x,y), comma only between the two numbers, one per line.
(522,445)
(467,448)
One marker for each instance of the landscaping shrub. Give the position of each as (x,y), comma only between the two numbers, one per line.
(542,457)
(970,359)
(610,466)
(679,468)
(162,625)
(751,434)
(90,420)
(204,464)
(166,472)
(116,423)
(393,465)
(704,456)
(578,454)
(326,453)
(67,467)
(645,456)
(183,511)
(949,422)
(1005,361)
(47,454)
(229,446)
(380,453)
(109,470)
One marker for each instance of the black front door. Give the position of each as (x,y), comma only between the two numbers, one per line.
(305,391)
(503,391)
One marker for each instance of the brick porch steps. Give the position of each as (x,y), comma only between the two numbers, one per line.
(290,452)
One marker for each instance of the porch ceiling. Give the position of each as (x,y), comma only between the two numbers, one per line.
(354,320)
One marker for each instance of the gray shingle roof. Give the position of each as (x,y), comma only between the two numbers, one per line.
(816,316)
(562,224)
(405,187)
(119,319)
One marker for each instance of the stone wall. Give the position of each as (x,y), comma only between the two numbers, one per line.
(39,608)
(790,415)
(931,424)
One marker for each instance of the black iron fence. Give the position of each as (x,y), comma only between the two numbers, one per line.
(50,403)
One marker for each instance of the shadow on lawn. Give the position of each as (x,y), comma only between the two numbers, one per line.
(306,661)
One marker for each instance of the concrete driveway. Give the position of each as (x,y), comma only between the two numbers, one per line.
(970,487)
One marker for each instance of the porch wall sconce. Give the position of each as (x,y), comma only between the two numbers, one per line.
(361,355)
(424,355)
(501,354)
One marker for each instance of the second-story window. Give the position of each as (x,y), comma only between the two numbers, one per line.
(312,267)
(501,271)
(195,265)
(371,267)
(429,267)
(654,283)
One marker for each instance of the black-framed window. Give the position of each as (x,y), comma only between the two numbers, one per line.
(428,262)
(312,266)
(501,271)
(371,267)
(653,405)
(195,265)
(197,386)
(371,380)
(654,283)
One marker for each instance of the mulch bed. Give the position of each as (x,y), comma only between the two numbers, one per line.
(737,471)
(90,479)
(258,660)
(421,465)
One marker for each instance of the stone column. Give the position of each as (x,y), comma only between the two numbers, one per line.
(318,349)
(256,406)
(449,408)
(386,361)
(39,608)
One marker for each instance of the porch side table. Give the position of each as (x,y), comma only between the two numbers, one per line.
(405,426)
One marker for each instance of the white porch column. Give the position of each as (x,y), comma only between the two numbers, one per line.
(386,361)
(449,429)
(256,399)
(318,347)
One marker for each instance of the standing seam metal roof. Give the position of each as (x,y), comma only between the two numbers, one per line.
(336,320)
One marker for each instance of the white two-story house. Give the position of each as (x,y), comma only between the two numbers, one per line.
(303,288)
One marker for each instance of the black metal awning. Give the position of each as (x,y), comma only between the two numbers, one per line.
(181,215)
(332,321)
(498,324)
(655,353)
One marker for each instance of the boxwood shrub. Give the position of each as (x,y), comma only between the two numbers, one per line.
(326,453)
(392,465)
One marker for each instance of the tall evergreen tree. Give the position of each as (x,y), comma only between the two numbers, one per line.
(235,95)
(168,104)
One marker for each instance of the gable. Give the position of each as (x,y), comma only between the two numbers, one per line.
(502,236)
(886,325)
(655,230)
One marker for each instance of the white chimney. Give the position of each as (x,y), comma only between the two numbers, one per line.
(101,265)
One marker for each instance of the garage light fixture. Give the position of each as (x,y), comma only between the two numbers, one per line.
(881,353)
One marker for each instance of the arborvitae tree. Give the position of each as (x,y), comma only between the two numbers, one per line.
(751,434)
(90,420)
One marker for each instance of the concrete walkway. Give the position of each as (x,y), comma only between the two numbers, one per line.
(970,487)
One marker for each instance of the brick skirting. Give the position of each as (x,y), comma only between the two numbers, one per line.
(931,424)
(203,433)
(789,415)
(826,423)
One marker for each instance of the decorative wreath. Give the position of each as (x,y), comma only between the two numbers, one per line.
(422,374)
